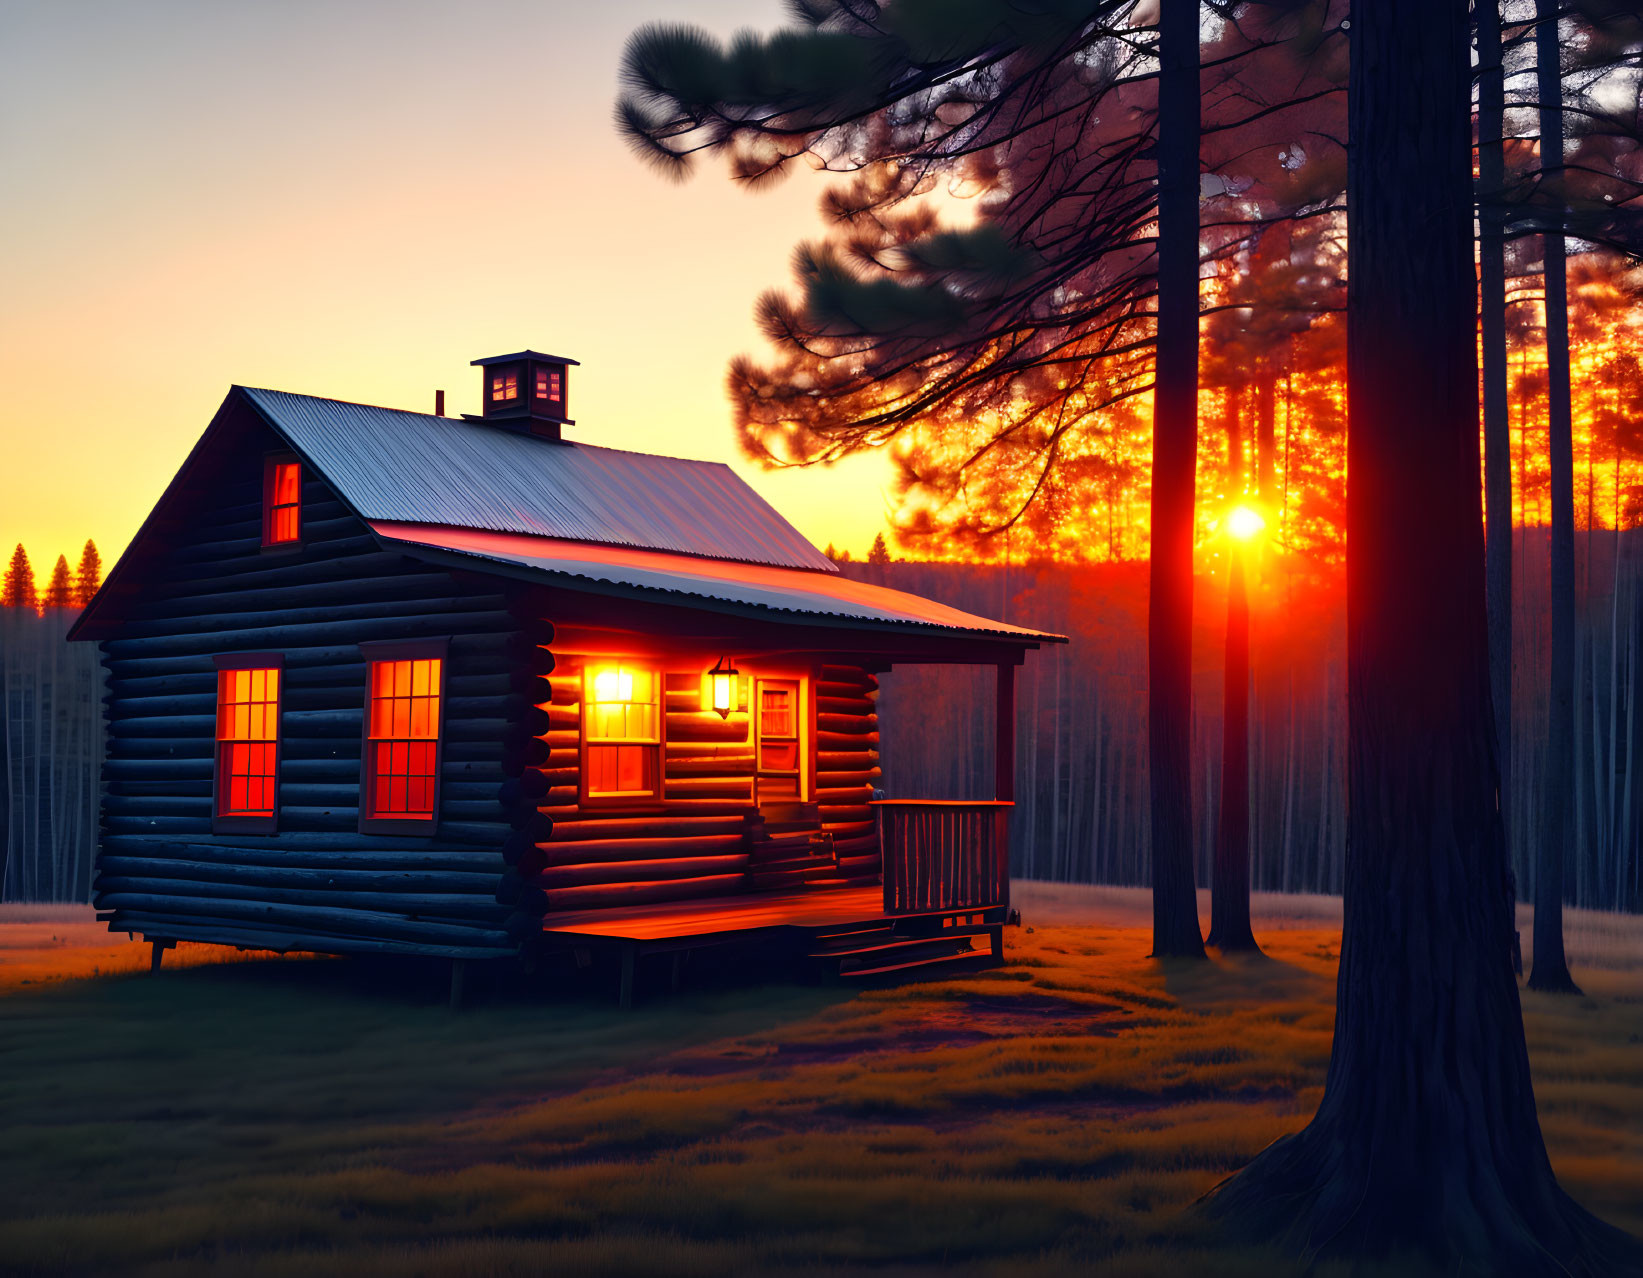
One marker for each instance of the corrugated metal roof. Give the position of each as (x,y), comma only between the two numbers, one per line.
(421,469)
(710,585)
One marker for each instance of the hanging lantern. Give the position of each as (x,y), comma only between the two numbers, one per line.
(721,685)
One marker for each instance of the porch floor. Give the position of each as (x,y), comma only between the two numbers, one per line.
(722,915)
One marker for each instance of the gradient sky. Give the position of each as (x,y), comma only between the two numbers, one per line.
(353,198)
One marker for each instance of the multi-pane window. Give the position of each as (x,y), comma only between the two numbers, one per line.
(504,386)
(623,730)
(548,384)
(282,503)
(780,774)
(402,739)
(248,718)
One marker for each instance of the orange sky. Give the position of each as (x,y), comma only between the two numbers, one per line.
(353,198)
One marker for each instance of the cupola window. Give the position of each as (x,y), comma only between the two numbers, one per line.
(549,384)
(504,386)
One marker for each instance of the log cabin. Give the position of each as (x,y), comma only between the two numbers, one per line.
(400,683)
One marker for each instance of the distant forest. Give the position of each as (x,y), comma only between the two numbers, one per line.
(51,732)
(1081,758)
(1081,813)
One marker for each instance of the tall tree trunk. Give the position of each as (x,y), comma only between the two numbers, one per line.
(1229,927)
(1497,431)
(1174,478)
(1551,968)
(1426,1143)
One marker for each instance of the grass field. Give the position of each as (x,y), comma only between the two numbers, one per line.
(296,1116)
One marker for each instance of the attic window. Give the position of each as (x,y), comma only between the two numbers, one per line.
(549,385)
(504,386)
(282,502)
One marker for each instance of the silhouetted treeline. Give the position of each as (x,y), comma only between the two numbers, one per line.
(1081,786)
(51,732)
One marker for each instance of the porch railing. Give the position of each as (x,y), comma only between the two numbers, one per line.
(941,855)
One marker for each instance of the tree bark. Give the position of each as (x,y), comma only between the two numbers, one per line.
(1174,477)
(1497,437)
(1426,1148)
(1229,927)
(1551,968)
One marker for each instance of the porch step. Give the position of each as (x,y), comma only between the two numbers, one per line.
(874,940)
(919,954)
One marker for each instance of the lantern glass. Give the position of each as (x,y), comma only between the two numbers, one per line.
(721,687)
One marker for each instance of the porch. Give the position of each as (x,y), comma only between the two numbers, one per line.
(945,885)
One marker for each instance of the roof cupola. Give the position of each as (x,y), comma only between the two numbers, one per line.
(527,391)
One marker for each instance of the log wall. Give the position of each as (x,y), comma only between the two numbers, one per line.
(695,841)
(318,883)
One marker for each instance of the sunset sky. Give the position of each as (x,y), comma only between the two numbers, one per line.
(353,198)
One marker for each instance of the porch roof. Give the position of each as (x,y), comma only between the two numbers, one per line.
(761,591)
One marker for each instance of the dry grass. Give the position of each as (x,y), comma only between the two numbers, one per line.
(1056,1114)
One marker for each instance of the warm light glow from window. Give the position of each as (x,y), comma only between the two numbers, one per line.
(283,503)
(402,750)
(622,724)
(504,386)
(1244,523)
(248,716)
(613,684)
(547,384)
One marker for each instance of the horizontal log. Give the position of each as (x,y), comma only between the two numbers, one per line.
(708,787)
(846,760)
(302,653)
(843,795)
(866,687)
(286,634)
(851,829)
(601,895)
(257,595)
(860,776)
(447,882)
(854,725)
(830,741)
(569,852)
(734,751)
(655,826)
(421,905)
(332,851)
(861,843)
(696,726)
(296,940)
(863,706)
(352,922)
(847,674)
(458,614)
(693,767)
(564,876)
(246,555)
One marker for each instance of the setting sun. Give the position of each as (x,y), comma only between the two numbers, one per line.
(1245,522)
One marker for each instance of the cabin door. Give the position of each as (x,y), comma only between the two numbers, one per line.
(780,766)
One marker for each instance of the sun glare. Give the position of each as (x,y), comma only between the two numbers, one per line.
(1244,523)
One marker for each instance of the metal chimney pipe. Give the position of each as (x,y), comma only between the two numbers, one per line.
(439,403)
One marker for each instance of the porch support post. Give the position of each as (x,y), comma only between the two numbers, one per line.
(1004,751)
(1004,778)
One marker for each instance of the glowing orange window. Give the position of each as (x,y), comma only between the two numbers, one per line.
(248,716)
(282,502)
(623,731)
(504,386)
(402,739)
(547,384)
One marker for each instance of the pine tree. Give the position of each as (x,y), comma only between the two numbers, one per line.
(880,552)
(89,576)
(18,590)
(60,590)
